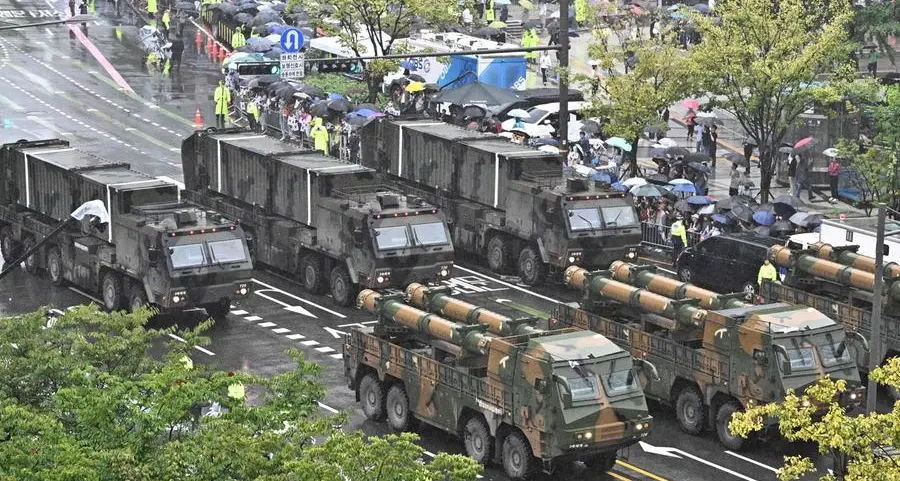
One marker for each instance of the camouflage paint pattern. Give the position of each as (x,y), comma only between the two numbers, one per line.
(849,257)
(513,382)
(647,278)
(439,301)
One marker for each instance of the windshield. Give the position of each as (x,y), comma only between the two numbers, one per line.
(187,255)
(584,219)
(391,237)
(620,382)
(430,234)
(619,216)
(833,354)
(581,388)
(799,357)
(227,251)
(535,115)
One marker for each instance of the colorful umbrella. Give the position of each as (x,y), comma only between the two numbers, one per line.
(634,182)
(707,209)
(830,152)
(806,143)
(699,200)
(518,114)
(619,143)
(722,219)
(415,87)
(680,181)
(686,188)
(620,187)
(691,104)
(764,218)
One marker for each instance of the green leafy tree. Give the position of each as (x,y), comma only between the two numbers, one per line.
(639,76)
(859,446)
(877,21)
(81,399)
(758,61)
(377,27)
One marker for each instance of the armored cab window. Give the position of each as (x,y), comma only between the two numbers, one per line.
(391,237)
(188,255)
(583,388)
(620,382)
(227,251)
(800,357)
(619,216)
(430,234)
(584,219)
(833,354)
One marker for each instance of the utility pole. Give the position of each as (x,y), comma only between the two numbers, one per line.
(875,341)
(80,18)
(563,80)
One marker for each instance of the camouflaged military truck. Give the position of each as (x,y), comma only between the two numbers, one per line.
(155,248)
(712,361)
(508,203)
(530,402)
(330,223)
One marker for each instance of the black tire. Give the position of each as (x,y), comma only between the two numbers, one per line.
(343,290)
(531,268)
(498,254)
(371,396)
(32,262)
(312,273)
(12,249)
(137,298)
(685,274)
(478,440)
(723,416)
(750,290)
(111,291)
(55,267)
(399,416)
(690,411)
(518,460)
(218,310)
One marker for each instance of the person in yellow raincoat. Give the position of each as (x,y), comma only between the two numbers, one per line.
(222,97)
(580,12)
(253,114)
(238,40)
(166,20)
(151,8)
(489,10)
(319,134)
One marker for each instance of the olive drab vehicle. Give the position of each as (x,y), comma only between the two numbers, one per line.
(715,360)
(511,204)
(334,225)
(537,400)
(839,281)
(156,249)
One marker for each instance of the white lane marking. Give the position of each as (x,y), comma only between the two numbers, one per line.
(511,286)
(294,337)
(337,356)
(324,349)
(85,294)
(199,348)
(300,299)
(327,408)
(751,461)
(266,324)
(280,330)
(252,318)
(295,309)
(310,343)
(239,312)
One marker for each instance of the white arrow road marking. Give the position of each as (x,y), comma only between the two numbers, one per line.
(294,309)
(677,453)
(752,461)
(299,299)
(336,333)
(511,286)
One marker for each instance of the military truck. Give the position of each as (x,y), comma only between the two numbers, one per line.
(534,401)
(506,202)
(328,222)
(155,248)
(712,362)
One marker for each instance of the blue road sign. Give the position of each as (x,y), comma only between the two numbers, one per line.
(291,40)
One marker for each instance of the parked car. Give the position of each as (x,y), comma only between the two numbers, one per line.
(726,263)
(531,97)
(541,119)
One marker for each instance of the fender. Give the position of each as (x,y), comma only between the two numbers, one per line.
(354,277)
(545,257)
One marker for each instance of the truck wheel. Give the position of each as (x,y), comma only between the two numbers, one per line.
(55,266)
(312,273)
(398,415)
(371,396)
(343,290)
(218,310)
(518,461)
(723,417)
(111,291)
(137,298)
(11,248)
(531,267)
(31,262)
(478,440)
(690,411)
(498,254)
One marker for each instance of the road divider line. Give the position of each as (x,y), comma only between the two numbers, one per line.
(85,294)
(199,348)
(752,461)
(507,284)
(638,470)
(617,476)
(100,58)
(327,408)
(300,299)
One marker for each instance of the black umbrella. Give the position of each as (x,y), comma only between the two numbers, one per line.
(657,153)
(789,200)
(531,24)
(736,158)
(697,157)
(339,105)
(590,127)
(546,141)
(286,93)
(300,16)
(243,18)
(729,203)
(683,206)
(762,230)
(677,151)
(781,227)
(248,8)
(742,212)
(473,112)
(486,32)
(310,90)
(477,94)
(319,109)
(767,207)
(699,167)
(660,179)
(265,17)
(266,79)
(357,120)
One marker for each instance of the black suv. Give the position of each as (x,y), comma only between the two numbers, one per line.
(726,263)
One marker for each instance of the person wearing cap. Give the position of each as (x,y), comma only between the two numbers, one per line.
(767,273)
(678,234)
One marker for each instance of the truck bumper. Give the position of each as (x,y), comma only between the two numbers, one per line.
(190,297)
(400,277)
(597,258)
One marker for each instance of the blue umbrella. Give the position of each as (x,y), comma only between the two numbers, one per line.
(601,177)
(722,219)
(699,200)
(686,188)
(335,97)
(620,187)
(277,29)
(619,143)
(366,112)
(764,218)
(680,181)
(547,141)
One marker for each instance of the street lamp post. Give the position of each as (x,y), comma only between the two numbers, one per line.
(876,339)
(563,78)
(80,18)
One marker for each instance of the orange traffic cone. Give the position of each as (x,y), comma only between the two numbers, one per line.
(222,53)
(198,120)
(215,50)
(209,42)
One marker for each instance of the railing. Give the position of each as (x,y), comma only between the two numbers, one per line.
(660,236)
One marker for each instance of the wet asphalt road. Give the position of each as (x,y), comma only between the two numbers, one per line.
(55,83)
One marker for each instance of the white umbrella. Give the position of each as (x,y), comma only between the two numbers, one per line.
(518,114)
(634,181)
(679,181)
(707,209)
(830,152)
(555,14)
(667,142)
(549,148)
(711,115)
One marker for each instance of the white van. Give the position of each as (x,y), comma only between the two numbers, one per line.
(858,231)
(541,116)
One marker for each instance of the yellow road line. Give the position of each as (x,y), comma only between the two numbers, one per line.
(640,471)
(617,476)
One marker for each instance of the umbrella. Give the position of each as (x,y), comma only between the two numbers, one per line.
(619,143)
(547,141)
(830,152)
(699,200)
(634,182)
(677,151)
(764,218)
(276,29)
(497,24)
(371,107)
(736,158)
(518,114)
(473,111)
(782,226)
(805,143)
(415,87)
(648,190)
(707,209)
(620,187)
(310,90)
(530,24)
(273,38)
(659,179)
(721,219)
(599,175)
(248,8)
(477,93)
(762,230)
(686,188)
(708,121)
(339,105)
(526,4)
(767,207)
(683,206)
(786,149)
(799,218)
(680,181)
(334,96)
(667,142)
(365,112)
(814,220)
(657,153)
(319,109)
(357,121)
(243,18)
(742,212)
(701,7)
(265,17)
(590,127)
(553,150)
(486,32)
(787,200)
(691,104)
(259,44)
(699,167)
(699,157)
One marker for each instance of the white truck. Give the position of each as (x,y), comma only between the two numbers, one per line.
(858,231)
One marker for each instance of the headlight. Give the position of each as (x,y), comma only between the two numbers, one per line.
(444,272)
(588,435)
(639,426)
(243,291)
(853,396)
(176,299)
(380,279)
(571,259)
(631,254)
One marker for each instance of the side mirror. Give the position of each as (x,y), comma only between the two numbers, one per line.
(539,384)
(760,357)
(153,256)
(785,359)
(358,237)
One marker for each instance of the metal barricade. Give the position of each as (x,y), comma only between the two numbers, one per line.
(660,236)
